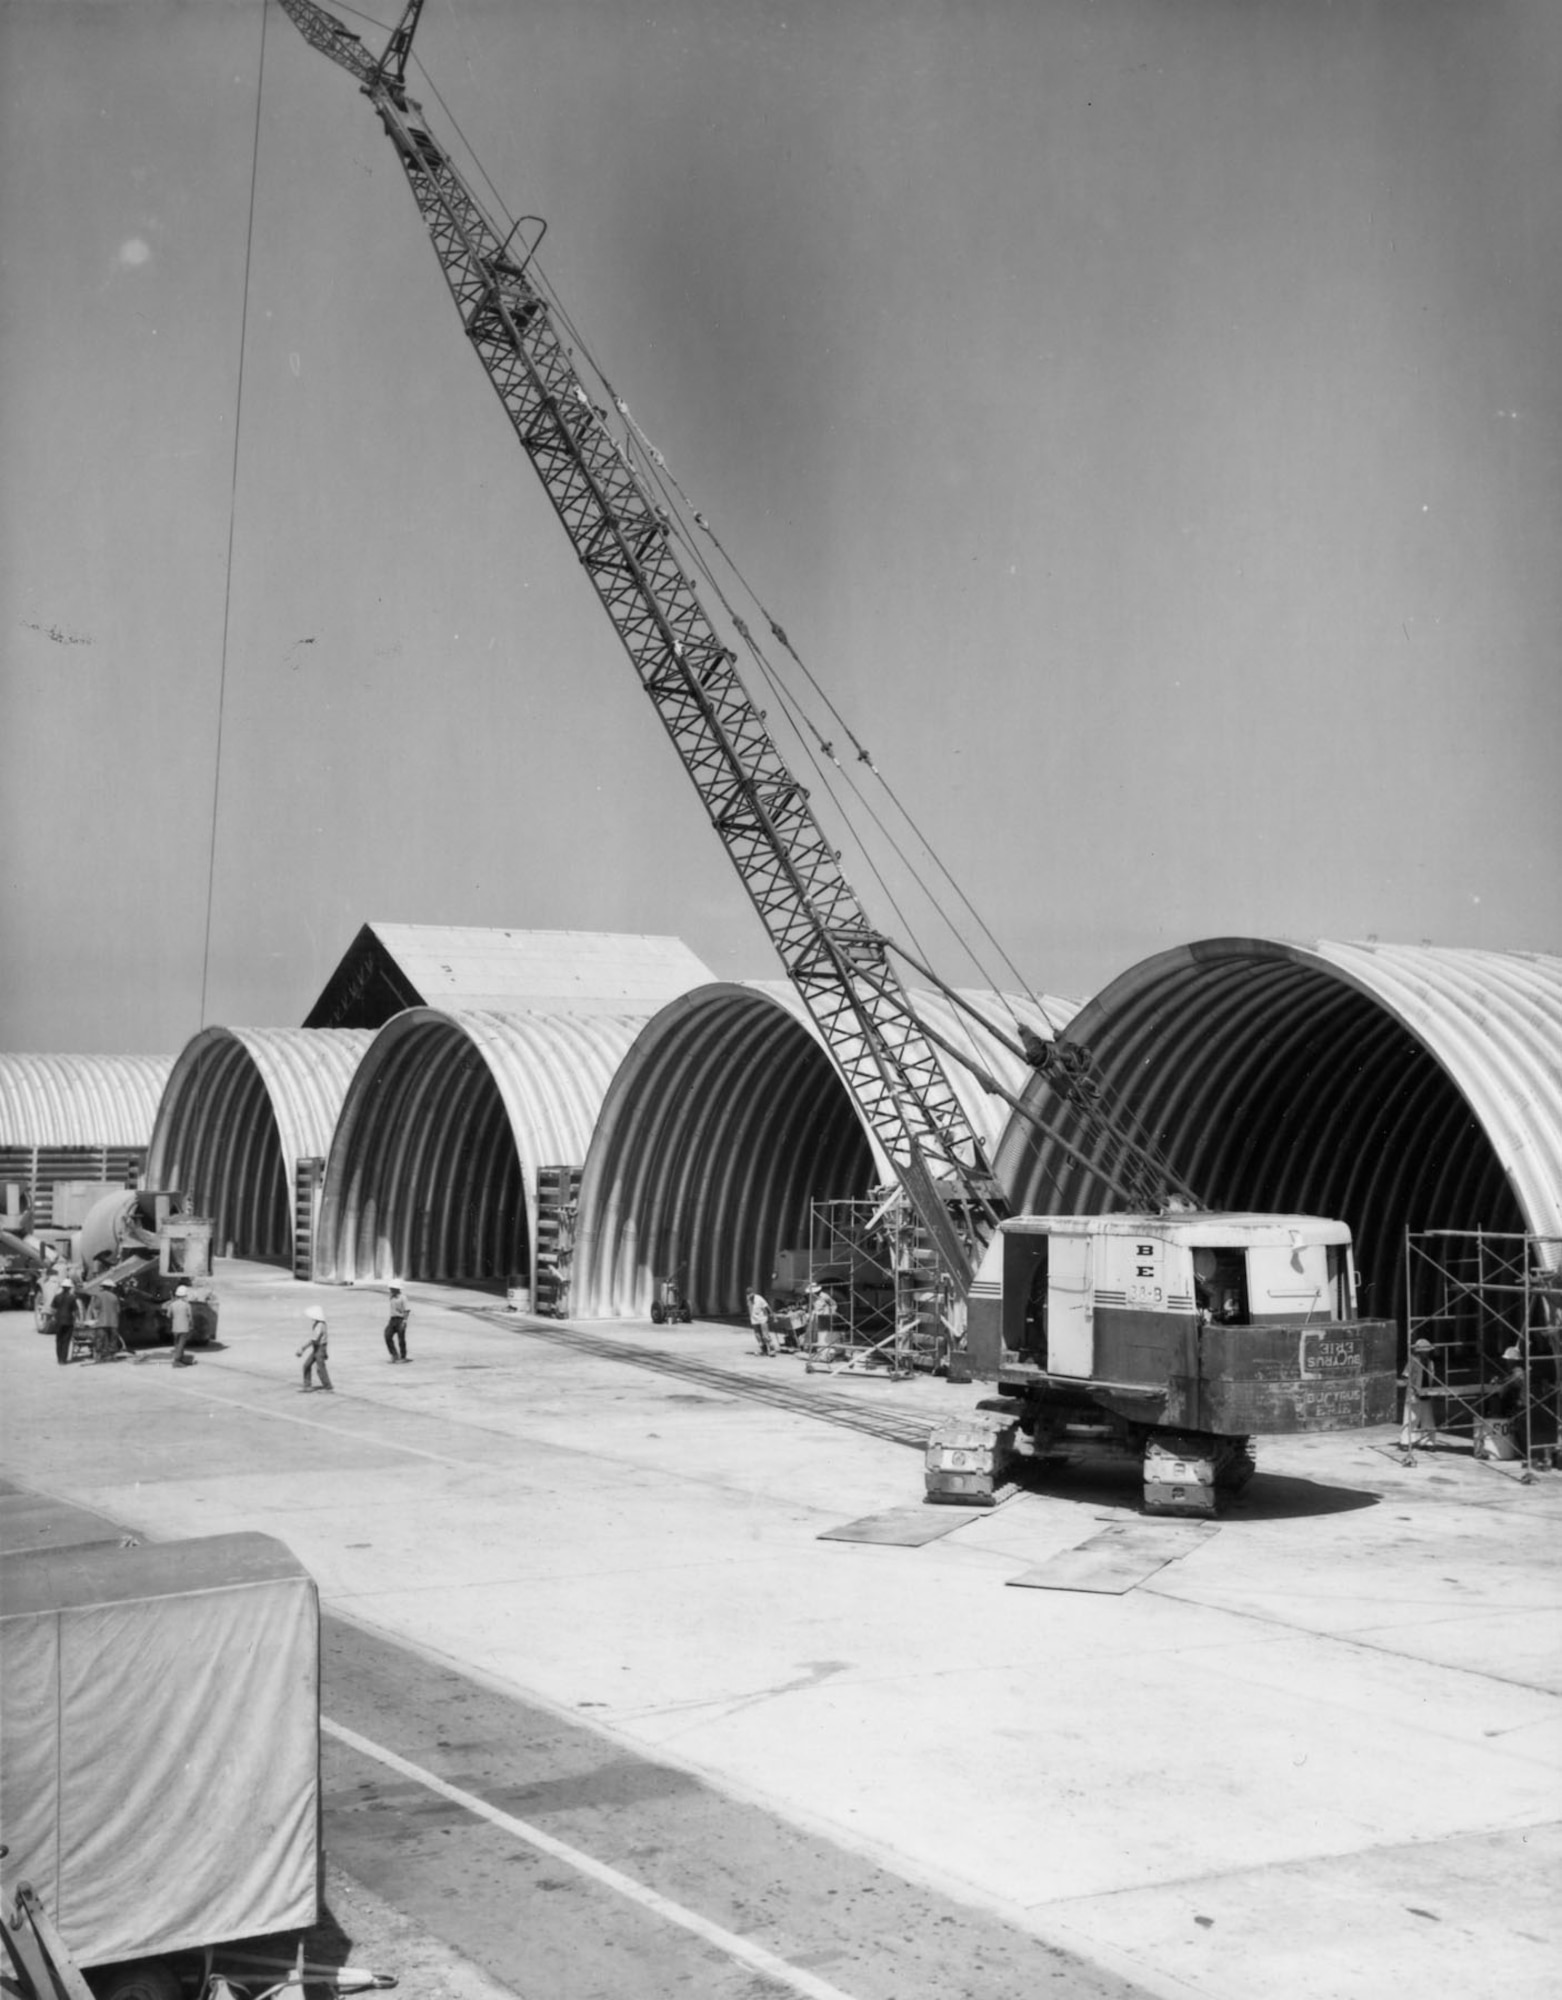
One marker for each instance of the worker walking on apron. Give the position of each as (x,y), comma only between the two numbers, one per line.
(759,1320)
(1419,1424)
(181,1318)
(62,1321)
(396,1325)
(313,1350)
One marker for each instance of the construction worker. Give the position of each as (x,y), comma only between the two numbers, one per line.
(181,1319)
(759,1320)
(62,1320)
(1420,1418)
(396,1325)
(821,1318)
(105,1340)
(313,1350)
(1512,1400)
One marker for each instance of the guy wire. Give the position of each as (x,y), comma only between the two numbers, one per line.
(233,503)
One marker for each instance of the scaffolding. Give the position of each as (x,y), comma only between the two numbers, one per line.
(893,1303)
(1484,1327)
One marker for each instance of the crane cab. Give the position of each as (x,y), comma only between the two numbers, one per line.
(1192,1320)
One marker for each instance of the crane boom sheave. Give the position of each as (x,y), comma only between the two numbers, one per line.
(833,954)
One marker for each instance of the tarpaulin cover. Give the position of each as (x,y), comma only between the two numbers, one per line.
(159,1742)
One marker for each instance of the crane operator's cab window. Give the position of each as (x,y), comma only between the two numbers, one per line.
(1341,1300)
(1220,1289)
(1301,1281)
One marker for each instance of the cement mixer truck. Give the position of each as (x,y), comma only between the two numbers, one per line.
(21,1256)
(146,1243)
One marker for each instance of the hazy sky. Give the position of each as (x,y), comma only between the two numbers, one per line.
(1142,414)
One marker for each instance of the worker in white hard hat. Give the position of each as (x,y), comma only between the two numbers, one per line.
(61,1321)
(181,1319)
(1419,1425)
(314,1350)
(820,1335)
(759,1320)
(396,1325)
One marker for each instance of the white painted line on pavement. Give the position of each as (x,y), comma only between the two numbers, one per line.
(752,1955)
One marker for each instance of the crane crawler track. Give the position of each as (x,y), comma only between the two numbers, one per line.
(827,1406)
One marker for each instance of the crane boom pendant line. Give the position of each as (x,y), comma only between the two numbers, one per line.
(838,962)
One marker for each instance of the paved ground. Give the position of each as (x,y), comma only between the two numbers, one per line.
(593,1872)
(1316,1756)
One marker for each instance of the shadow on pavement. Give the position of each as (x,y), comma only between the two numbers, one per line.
(1269,1496)
(1274,1496)
(262,1962)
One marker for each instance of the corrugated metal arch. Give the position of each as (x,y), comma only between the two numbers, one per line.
(433,1171)
(241,1108)
(725,1123)
(1393,1086)
(76,1101)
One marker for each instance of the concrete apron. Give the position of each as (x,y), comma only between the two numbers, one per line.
(1318,1756)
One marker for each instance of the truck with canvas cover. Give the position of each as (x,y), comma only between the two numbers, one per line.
(160,1750)
(1178,1336)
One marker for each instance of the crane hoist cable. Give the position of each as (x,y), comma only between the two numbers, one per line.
(665,478)
(660,473)
(1113,1158)
(835,957)
(1112,1124)
(841,965)
(972,1059)
(802,729)
(826,745)
(657,471)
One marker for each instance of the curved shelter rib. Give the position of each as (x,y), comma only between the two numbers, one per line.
(725,1124)
(433,1171)
(1392,1086)
(241,1109)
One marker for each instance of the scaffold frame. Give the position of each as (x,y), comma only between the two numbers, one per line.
(1488,1307)
(892,1303)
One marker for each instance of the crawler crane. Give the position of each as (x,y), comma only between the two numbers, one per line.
(1166,1329)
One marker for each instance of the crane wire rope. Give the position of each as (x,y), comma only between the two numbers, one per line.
(680,515)
(795,716)
(827,748)
(864,755)
(1112,1126)
(648,468)
(654,468)
(233,508)
(661,476)
(679,512)
(664,477)
(803,728)
(974,1057)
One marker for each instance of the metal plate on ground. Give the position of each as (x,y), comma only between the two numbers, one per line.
(1118,1559)
(905,1527)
